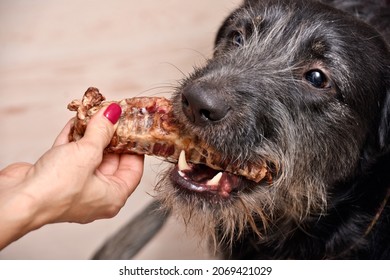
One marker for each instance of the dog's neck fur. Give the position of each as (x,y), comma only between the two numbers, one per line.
(324,234)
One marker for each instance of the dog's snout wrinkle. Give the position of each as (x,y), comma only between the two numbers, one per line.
(203,104)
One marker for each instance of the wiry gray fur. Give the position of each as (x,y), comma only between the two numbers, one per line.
(318,142)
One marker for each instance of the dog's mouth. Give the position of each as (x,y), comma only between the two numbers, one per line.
(199,178)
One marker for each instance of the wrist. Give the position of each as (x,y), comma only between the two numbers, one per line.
(19,215)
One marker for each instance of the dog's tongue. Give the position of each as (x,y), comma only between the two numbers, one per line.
(202,179)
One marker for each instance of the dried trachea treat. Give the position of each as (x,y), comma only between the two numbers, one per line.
(147,126)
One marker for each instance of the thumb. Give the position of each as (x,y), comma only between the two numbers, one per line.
(102,125)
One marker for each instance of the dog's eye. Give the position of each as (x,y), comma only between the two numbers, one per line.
(317,78)
(237,39)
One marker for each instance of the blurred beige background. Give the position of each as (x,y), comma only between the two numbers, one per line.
(52,51)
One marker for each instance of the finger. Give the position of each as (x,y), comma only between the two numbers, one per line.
(63,138)
(101,127)
(130,171)
(109,164)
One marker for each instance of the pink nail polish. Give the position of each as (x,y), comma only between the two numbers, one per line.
(113,112)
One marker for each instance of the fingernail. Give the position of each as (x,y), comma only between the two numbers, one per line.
(113,112)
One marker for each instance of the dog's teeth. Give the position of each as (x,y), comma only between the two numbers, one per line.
(215,180)
(182,163)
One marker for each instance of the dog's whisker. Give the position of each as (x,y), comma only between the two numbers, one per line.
(157,90)
(184,75)
(299,92)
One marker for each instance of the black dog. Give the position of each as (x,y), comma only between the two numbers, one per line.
(304,87)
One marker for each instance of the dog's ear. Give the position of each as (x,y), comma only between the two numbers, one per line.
(384,125)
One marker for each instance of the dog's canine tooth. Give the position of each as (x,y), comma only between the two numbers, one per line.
(181,174)
(215,180)
(182,163)
(308,123)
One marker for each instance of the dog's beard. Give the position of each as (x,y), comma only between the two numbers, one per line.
(208,215)
(268,212)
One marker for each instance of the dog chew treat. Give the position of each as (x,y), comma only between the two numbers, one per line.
(147,126)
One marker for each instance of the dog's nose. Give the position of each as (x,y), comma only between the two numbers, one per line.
(203,104)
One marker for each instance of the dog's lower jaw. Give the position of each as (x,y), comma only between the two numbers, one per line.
(208,213)
(249,213)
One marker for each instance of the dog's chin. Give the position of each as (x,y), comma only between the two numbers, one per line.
(210,201)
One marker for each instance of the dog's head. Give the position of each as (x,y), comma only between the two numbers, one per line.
(295,84)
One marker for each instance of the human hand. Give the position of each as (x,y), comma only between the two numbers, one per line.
(72,182)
